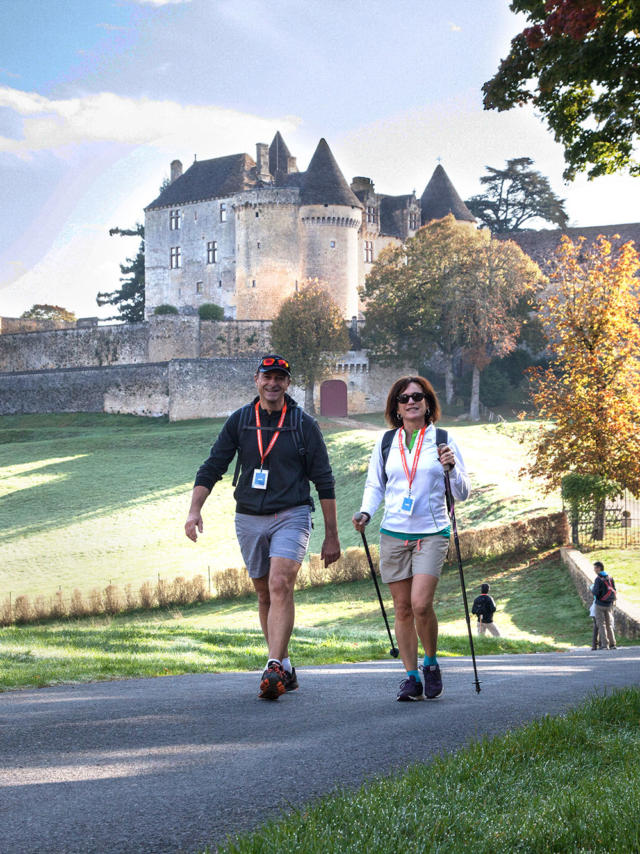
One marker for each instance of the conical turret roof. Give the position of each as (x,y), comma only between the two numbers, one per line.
(279,155)
(441,199)
(324,183)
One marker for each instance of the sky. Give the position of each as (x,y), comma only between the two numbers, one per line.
(97,97)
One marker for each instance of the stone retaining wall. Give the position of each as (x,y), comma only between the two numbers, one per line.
(626,614)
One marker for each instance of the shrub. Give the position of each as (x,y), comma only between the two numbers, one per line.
(165,308)
(40,608)
(97,604)
(233,582)
(147,595)
(130,598)
(164,592)
(77,607)
(210,311)
(6,612)
(199,589)
(113,599)
(23,610)
(58,607)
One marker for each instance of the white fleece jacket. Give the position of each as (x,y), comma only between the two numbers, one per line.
(429,509)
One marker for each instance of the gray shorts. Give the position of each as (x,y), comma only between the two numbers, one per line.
(400,559)
(283,534)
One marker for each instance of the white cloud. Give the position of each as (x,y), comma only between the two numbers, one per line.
(50,124)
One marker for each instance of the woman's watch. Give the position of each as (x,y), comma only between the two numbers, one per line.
(364,513)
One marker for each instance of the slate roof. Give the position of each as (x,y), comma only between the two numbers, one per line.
(324,183)
(209,179)
(540,245)
(279,155)
(392,215)
(441,199)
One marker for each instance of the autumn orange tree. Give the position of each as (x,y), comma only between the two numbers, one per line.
(309,330)
(590,394)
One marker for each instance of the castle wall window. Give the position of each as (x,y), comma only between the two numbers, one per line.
(372,215)
(212,252)
(219,283)
(175,258)
(332,244)
(174,220)
(198,287)
(368,251)
(223,212)
(253,283)
(413,221)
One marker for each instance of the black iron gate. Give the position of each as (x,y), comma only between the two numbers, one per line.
(617,526)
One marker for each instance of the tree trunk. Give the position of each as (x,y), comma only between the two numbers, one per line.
(448,380)
(309,405)
(474,406)
(599,520)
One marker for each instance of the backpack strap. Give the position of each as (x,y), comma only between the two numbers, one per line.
(243,424)
(387,439)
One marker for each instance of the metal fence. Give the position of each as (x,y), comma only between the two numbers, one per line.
(617,527)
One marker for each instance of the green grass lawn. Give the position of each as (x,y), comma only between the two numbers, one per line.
(538,610)
(88,499)
(556,786)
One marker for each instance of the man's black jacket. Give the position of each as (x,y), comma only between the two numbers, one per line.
(289,470)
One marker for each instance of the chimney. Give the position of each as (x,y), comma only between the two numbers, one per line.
(262,162)
(176,170)
(292,165)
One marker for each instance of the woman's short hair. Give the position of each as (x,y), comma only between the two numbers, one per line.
(391,409)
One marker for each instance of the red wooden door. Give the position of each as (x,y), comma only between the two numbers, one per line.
(333,398)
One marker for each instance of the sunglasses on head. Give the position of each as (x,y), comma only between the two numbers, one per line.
(278,363)
(417,396)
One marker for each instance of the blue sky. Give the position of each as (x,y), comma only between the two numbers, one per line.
(96,98)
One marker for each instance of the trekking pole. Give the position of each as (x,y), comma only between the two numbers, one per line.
(452,514)
(393,652)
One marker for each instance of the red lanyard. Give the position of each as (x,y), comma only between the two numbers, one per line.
(416,457)
(265,454)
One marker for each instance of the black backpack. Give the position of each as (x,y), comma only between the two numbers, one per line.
(295,426)
(609,595)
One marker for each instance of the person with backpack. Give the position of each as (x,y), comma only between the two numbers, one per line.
(604,591)
(484,607)
(280,451)
(406,472)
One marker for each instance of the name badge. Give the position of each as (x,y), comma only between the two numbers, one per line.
(407,505)
(260,477)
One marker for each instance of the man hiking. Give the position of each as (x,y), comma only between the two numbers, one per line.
(280,450)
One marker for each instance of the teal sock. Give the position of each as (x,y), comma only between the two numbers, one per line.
(429,660)
(415,674)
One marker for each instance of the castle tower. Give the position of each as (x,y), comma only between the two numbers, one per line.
(331,216)
(441,199)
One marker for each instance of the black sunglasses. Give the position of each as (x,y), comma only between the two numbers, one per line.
(415,395)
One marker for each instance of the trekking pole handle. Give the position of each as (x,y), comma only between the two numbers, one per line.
(447,466)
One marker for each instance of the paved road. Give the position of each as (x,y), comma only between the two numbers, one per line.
(171,764)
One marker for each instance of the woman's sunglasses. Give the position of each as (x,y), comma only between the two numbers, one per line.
(417,396)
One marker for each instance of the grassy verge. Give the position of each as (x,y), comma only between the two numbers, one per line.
(537,789)
(538,610)
(92,499)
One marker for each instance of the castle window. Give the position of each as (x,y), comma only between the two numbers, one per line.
(372,215)
(212,252)
(253,283)
(174,220)
(258,244)
(223,212)
(368,251)
(257,214)
(413,220)
(198,287)
(175,258)
(332,244)
(219,283)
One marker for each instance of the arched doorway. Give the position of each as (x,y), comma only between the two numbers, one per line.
(333,398)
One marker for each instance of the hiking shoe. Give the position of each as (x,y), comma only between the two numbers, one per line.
(432,681)
(410,689)
(290,680)
(272,683)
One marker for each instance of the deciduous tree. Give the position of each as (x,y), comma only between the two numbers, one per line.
(578,64)
(591,392)
(514,196)
(128,299)
(449,289)
(44,311)
(310,331)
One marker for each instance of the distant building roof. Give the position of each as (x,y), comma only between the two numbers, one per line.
(441,199)
(540,245)
(279,155)
(209,179)
(324,183)
(392,217)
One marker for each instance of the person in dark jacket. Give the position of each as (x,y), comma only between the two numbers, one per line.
(484,607)
(280,451)
(605,596)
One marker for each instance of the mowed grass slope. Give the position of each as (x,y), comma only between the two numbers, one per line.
(538,610)
(88,499)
